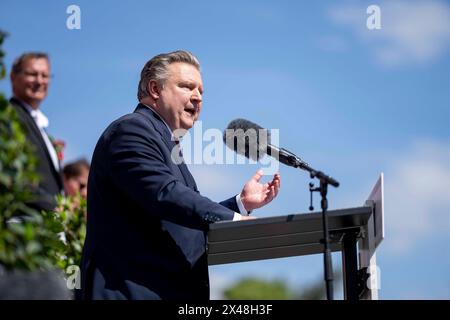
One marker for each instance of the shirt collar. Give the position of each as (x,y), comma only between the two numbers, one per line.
(167,126)
(38,116)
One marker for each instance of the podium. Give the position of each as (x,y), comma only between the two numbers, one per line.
(354,232)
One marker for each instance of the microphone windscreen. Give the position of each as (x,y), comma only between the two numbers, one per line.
(243,124)
(247,138)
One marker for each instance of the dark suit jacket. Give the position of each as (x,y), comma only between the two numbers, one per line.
(147,222)
(50,183)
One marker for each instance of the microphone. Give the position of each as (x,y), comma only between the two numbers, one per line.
(253,141)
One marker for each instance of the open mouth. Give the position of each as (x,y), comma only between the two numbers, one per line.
(190,111)
(37,89)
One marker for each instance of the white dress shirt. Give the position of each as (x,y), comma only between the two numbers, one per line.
(240,205)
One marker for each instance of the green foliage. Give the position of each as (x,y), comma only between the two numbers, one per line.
(3,101)
(71,214)
(31,240)
(28,239)
(257,289)
(315,291)
(3,35)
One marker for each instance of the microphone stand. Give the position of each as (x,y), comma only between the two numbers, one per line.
(328,265)
(325,180)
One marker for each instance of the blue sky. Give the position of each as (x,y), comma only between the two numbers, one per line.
(351,101)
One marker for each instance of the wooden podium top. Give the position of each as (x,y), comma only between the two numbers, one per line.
(281,236)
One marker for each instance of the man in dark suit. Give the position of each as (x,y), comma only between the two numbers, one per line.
(147,222)
(30,76)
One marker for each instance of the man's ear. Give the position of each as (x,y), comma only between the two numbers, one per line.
(153,89)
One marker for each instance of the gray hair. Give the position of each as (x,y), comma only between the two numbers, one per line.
(156,69)
(18,62)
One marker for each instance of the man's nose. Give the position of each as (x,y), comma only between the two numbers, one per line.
(196,96)
(41,79)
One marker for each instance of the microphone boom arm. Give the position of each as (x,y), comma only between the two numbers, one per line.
(319,175)
(290,159)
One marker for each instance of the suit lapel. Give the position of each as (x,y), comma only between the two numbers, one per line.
(34,130)
(188,176)
(26,116)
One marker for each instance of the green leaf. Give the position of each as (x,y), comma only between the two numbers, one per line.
(17,228)
(33,247)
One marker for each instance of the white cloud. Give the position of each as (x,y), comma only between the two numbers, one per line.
(417,196)
(413,31)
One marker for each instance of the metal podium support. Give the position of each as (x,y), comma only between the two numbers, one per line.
(301,234)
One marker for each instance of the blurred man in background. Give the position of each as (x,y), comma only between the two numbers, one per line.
(30,78)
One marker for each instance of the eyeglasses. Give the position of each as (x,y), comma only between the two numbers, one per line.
(33,74)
